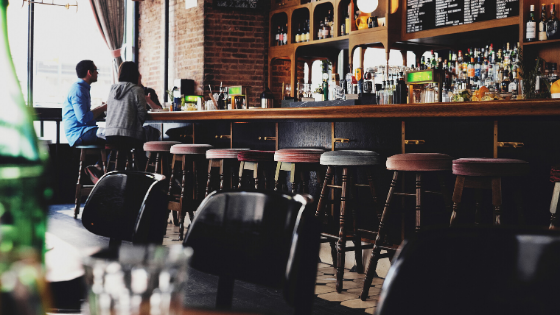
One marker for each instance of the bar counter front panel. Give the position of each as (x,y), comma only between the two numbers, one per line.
(458,129)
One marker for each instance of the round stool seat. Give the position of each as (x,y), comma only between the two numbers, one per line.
(555,173)
(350,158)
(91,146)
(113,146)
(421,162)
(490,167)
(224,153)
(162,146)
(298,155)
(255,156)
(190,148)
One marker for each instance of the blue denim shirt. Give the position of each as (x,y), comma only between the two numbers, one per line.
(76,114)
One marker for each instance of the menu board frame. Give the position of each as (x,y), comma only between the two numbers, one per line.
(421,15)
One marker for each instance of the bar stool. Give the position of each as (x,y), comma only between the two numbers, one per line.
(186,153)
(296,161)
(484,173)
(226,161)
(346,159)
(249,160)
(555,178)
(419,163)
(121,153)
(161,150)
(82,189)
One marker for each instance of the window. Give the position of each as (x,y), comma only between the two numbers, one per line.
(17,36)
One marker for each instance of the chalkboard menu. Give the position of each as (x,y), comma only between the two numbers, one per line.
(429,14)
(241,4)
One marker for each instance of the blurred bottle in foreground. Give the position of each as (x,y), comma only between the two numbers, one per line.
(22,164)
(23,195)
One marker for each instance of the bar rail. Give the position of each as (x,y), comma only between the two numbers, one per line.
(549,107)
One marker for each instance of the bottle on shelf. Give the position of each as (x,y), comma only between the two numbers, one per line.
(326,29)
(285,35)
(298,34)
(320,31)
(531,28)
(347,26)
(278,40)
(542,23)
(514,84)
(307,37)
(552,26)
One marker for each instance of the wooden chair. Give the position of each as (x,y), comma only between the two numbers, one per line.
(270,239)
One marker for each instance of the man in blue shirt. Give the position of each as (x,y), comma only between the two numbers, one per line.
(78,117)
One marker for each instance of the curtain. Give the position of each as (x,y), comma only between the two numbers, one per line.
(109,15)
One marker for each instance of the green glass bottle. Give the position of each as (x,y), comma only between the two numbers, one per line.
(23,192)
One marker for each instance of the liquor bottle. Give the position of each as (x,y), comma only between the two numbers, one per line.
(222,98)
(325,89)
(326,28)
(542,23)
(298,34)
(505,81)
(553,76)
(471,70)
(285,35)
(478,68)
(513,85)
(331,24)
(279,36)
(531,32)
(307,35)
(320,31)
(23,189)
(347,25)
(552,24)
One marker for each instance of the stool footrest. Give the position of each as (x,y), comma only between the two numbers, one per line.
(174,206)
(334,186)
(403,194)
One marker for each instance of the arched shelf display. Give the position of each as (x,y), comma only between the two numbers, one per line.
(300,20)
(320,11)
(279,19)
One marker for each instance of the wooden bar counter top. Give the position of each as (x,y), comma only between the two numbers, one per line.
(549,107)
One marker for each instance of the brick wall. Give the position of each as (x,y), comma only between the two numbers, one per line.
(236,49)
(150,45)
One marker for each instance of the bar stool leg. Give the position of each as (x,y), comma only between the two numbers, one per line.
(79,184)
(181,215)
(324,192)
(221,174)
(418,200)
(341,244)
(357,240)
(209,178)
(148,161)
(277,176)
(554,205)
(457,196)
(497,199)
(104,160)
(379,240)
(174,214)
(241,169)
(256,174)
(293,177)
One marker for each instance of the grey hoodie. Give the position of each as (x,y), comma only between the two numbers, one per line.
(126,111)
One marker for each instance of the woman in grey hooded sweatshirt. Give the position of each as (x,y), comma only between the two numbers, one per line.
(126,112)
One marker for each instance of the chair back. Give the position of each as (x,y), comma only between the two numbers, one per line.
(475,271)
(129,206)
(265,238)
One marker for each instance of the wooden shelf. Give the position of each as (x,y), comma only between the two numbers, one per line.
(345,113)
(544,42)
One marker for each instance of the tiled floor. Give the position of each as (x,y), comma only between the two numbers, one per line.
(326,280)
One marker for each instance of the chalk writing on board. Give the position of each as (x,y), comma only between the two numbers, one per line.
(243,4)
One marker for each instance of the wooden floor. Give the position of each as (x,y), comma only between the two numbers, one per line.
(68,233)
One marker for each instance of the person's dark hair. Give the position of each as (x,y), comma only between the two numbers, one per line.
(128,72)
(153,95)
(82,68)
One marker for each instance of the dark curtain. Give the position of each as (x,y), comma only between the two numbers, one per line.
(109,15)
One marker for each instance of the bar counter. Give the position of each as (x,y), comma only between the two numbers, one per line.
(549,107)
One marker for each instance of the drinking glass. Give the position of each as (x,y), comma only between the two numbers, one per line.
(288,90)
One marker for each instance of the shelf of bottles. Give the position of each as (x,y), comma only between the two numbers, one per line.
(323,20)
(300,25)
(279,23)
(544,28)
(344,22)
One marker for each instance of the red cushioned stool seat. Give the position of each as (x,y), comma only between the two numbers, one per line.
(253,160)
(190,148)
(298,155)
(490,167)
(419,162)
(224,153)
(255,156)
(226,161)
(163,146)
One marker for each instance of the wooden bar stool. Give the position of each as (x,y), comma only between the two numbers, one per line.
(346,159)
(419,163)
(296,161)
(249,160)
(81,189)
(190,155)
(226,161)
(120,153)
(484,173)
(160,151)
